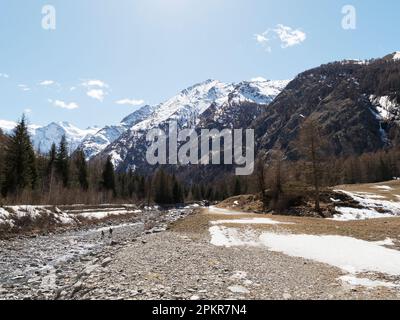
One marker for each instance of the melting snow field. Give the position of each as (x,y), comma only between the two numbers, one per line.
(11,215)
(349,214)
(351,255)
(364,282)
(249,221)
(219,211)
(375,206)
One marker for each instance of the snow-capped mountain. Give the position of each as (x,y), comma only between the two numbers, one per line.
(257,91)
(8,126)
(44,137)
(189,108)
(95,143)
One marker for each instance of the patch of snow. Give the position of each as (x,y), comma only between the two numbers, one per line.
(228,237)
(348,254)
(386,188)
(98,215)
(26,211)
(386,242)
(249,221)
(374,207)
(364,282)
(350,214)
(396,56)
(5,218)
(385,107)
(355,61)
(219,211)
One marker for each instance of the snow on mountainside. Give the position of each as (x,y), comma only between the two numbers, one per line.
(259,91)
(356,105)
(187,109)
(94,144)
(396,56)
(8,126)
(44,137)
(387,109)
(188,105)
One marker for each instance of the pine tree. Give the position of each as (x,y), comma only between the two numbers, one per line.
(161,187)
(132,187)
(177,191)
(80,163)
(19,162)
(238,188)
(141,188)
(62,162)
(108,175)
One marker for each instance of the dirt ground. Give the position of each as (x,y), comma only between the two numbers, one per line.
(389,190)
(370,230)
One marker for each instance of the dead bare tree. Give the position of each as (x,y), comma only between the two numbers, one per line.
(311,146)
(260,170)
(276,179)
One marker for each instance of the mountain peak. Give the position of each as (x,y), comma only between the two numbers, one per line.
(396,56)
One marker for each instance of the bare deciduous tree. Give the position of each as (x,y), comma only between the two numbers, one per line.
(260,170)
(311,145)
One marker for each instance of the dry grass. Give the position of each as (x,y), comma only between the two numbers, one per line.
(373,188)
(370,230)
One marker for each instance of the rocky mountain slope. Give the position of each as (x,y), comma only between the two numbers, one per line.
(211,98)
(202,105)
(356,103)
(96,143)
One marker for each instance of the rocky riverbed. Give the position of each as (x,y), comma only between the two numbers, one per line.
(55,266)
(187,262)
(213,254)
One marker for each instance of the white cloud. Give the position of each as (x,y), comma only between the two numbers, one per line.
(263,40)
(95,83)
(97,94)
(287,36)
(28,110)
(131,102)
(47,83)
(64,105)
(24,87)
(4,75)
(96,89)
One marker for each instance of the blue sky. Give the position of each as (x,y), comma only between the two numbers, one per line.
(132,51)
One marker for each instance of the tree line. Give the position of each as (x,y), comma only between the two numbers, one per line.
(56,178)
(282,184)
